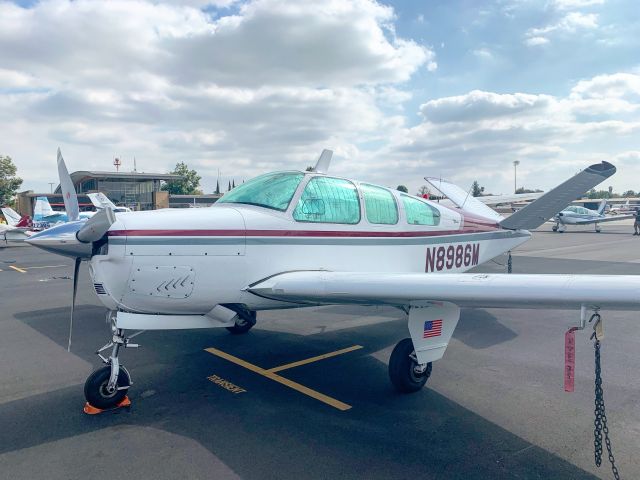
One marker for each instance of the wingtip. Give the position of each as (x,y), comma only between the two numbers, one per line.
(603,168)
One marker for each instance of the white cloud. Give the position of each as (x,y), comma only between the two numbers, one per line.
(268,85)
(483,53)
(570,23)
(478,134)
(534,41)
(576,4)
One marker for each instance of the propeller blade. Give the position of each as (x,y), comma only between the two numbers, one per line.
(68,191)
(76,270)
(96,226)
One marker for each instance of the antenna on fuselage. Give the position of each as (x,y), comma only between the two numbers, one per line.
(322,165)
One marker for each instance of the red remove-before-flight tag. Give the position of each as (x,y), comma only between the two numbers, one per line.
(569,359)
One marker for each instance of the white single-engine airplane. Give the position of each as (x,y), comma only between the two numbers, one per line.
(293,239)
(576,215)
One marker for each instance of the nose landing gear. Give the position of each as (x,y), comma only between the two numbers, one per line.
(107,387)
(406,374)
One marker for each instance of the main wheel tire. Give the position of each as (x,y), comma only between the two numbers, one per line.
(245,322)
(402,368)
(95,388)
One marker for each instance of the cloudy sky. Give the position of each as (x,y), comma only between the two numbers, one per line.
(398,89)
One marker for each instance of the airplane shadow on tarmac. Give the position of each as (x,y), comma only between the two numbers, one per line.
(274,432)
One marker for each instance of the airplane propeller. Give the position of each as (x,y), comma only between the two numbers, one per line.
(74,239)
(92,231)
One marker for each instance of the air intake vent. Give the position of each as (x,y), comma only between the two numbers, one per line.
(99,288)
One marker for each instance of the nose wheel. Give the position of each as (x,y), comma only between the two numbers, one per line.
(406,374)
(97,390)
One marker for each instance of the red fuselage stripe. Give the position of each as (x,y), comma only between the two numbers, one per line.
(292,233)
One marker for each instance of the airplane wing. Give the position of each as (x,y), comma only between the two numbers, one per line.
(549,204)
(433,301)
(100,200)
(604,219)
(515,197)
(464,289)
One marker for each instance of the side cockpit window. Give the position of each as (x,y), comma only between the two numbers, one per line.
(328,200)
(419,212)
(380,205)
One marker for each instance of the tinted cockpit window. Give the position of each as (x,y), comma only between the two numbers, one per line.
(419,212)
(328,200)
(273,190)
(380,205)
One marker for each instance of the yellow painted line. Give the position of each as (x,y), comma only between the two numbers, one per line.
(314,359)
(284,381)
(17,269)
(46,266)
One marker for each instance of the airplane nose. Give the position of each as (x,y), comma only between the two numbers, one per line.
(62,240)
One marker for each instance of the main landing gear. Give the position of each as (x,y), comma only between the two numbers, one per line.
(406,374)
(245,320)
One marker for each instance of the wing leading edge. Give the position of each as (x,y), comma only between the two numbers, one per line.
(463,289)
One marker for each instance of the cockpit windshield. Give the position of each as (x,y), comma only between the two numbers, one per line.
(273,190)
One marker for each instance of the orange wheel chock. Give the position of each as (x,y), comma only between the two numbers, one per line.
(91,410)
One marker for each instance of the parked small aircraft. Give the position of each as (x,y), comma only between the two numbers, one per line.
(626,207)
(44,216)
(293,239)
(576,215)
(18,227)
(100,201)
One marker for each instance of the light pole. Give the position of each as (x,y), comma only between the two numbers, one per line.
(51,184)
(515,175)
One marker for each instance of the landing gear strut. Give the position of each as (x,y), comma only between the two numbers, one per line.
(106,387)
(406,374)
(245,321)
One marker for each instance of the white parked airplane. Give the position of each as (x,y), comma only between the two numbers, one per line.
(17,229)
(101,201)
(576,215)
(293,239)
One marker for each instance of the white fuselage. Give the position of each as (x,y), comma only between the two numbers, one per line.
(210,256)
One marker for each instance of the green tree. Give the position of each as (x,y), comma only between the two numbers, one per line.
(402,188)
(476,189)
(629,193)
(528,190)
(188,184)
(9,182)
(593,194)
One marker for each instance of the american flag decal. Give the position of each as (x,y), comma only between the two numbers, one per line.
(432,328)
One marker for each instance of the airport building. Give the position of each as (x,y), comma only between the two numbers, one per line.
(136,190)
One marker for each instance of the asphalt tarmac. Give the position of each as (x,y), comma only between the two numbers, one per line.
(494,407)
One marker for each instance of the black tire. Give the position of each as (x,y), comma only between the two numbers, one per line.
(95,388)
(555,229)
(402,369)
(245,322)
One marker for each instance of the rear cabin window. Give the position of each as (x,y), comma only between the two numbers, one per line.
(328,200)
(419,212)
(380,205)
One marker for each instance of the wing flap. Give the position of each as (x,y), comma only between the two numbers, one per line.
(463,289)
